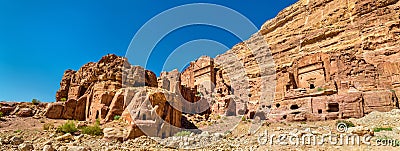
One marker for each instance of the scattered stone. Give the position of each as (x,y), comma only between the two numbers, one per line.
(48,148)
(16,140)
(25,147)
(77,148)
(360,131)
(25,112)
(114,134)
(65,137)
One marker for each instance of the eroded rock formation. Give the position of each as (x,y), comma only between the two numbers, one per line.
(326,59)
(112,87)
(95,90)
(317,60)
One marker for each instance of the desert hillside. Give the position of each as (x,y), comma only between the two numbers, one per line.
(316,65)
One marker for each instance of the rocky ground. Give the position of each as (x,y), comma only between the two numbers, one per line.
(27,133)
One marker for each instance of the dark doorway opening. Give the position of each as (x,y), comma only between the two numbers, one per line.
(294,107)
(333,107)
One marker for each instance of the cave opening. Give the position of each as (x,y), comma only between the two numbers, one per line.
(333,107)
(312,86)
(294,107)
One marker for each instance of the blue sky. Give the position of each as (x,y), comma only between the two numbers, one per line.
(40,39)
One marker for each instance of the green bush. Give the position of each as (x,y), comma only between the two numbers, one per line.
(183,133)
(378,129)
(48,126)
(68,127)
(1,114)
(117,117)
(63,99)
(348,123)
(244,118)
(17,131)
(35,101)
(320,89)
(92,130)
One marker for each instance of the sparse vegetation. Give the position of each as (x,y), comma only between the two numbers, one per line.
(63,99)
(378,129)
(227,132)
(393,91)
(244,118)
(199,94)
(117,117)
(183,133)
(348,123)
(35,101)
(48,126)
(93,130)
(320,89)
(68,127)
(17,131)
(303,122)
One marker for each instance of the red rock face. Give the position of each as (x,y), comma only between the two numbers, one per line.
(323,59)
(316,60)
(152,112)
(95,90)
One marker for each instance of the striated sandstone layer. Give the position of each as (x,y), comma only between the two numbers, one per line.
(316,60)
(324,59)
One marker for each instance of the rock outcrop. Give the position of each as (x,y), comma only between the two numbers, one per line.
(324,59)
(112,87)
(316,60)
(152,112)
(95,90)
(22,109)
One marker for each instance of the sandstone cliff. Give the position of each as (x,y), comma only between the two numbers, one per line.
(316,60)
(112,87)
(331,59)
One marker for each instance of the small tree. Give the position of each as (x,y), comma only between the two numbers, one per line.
(1,114)
(63,99)
(35,101)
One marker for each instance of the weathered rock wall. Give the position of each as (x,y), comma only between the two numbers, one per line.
(314,54)
(95,90)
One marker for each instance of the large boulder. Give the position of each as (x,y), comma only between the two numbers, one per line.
(153,112)
(25,112)
(69,109)
(54,110)
(114,134)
